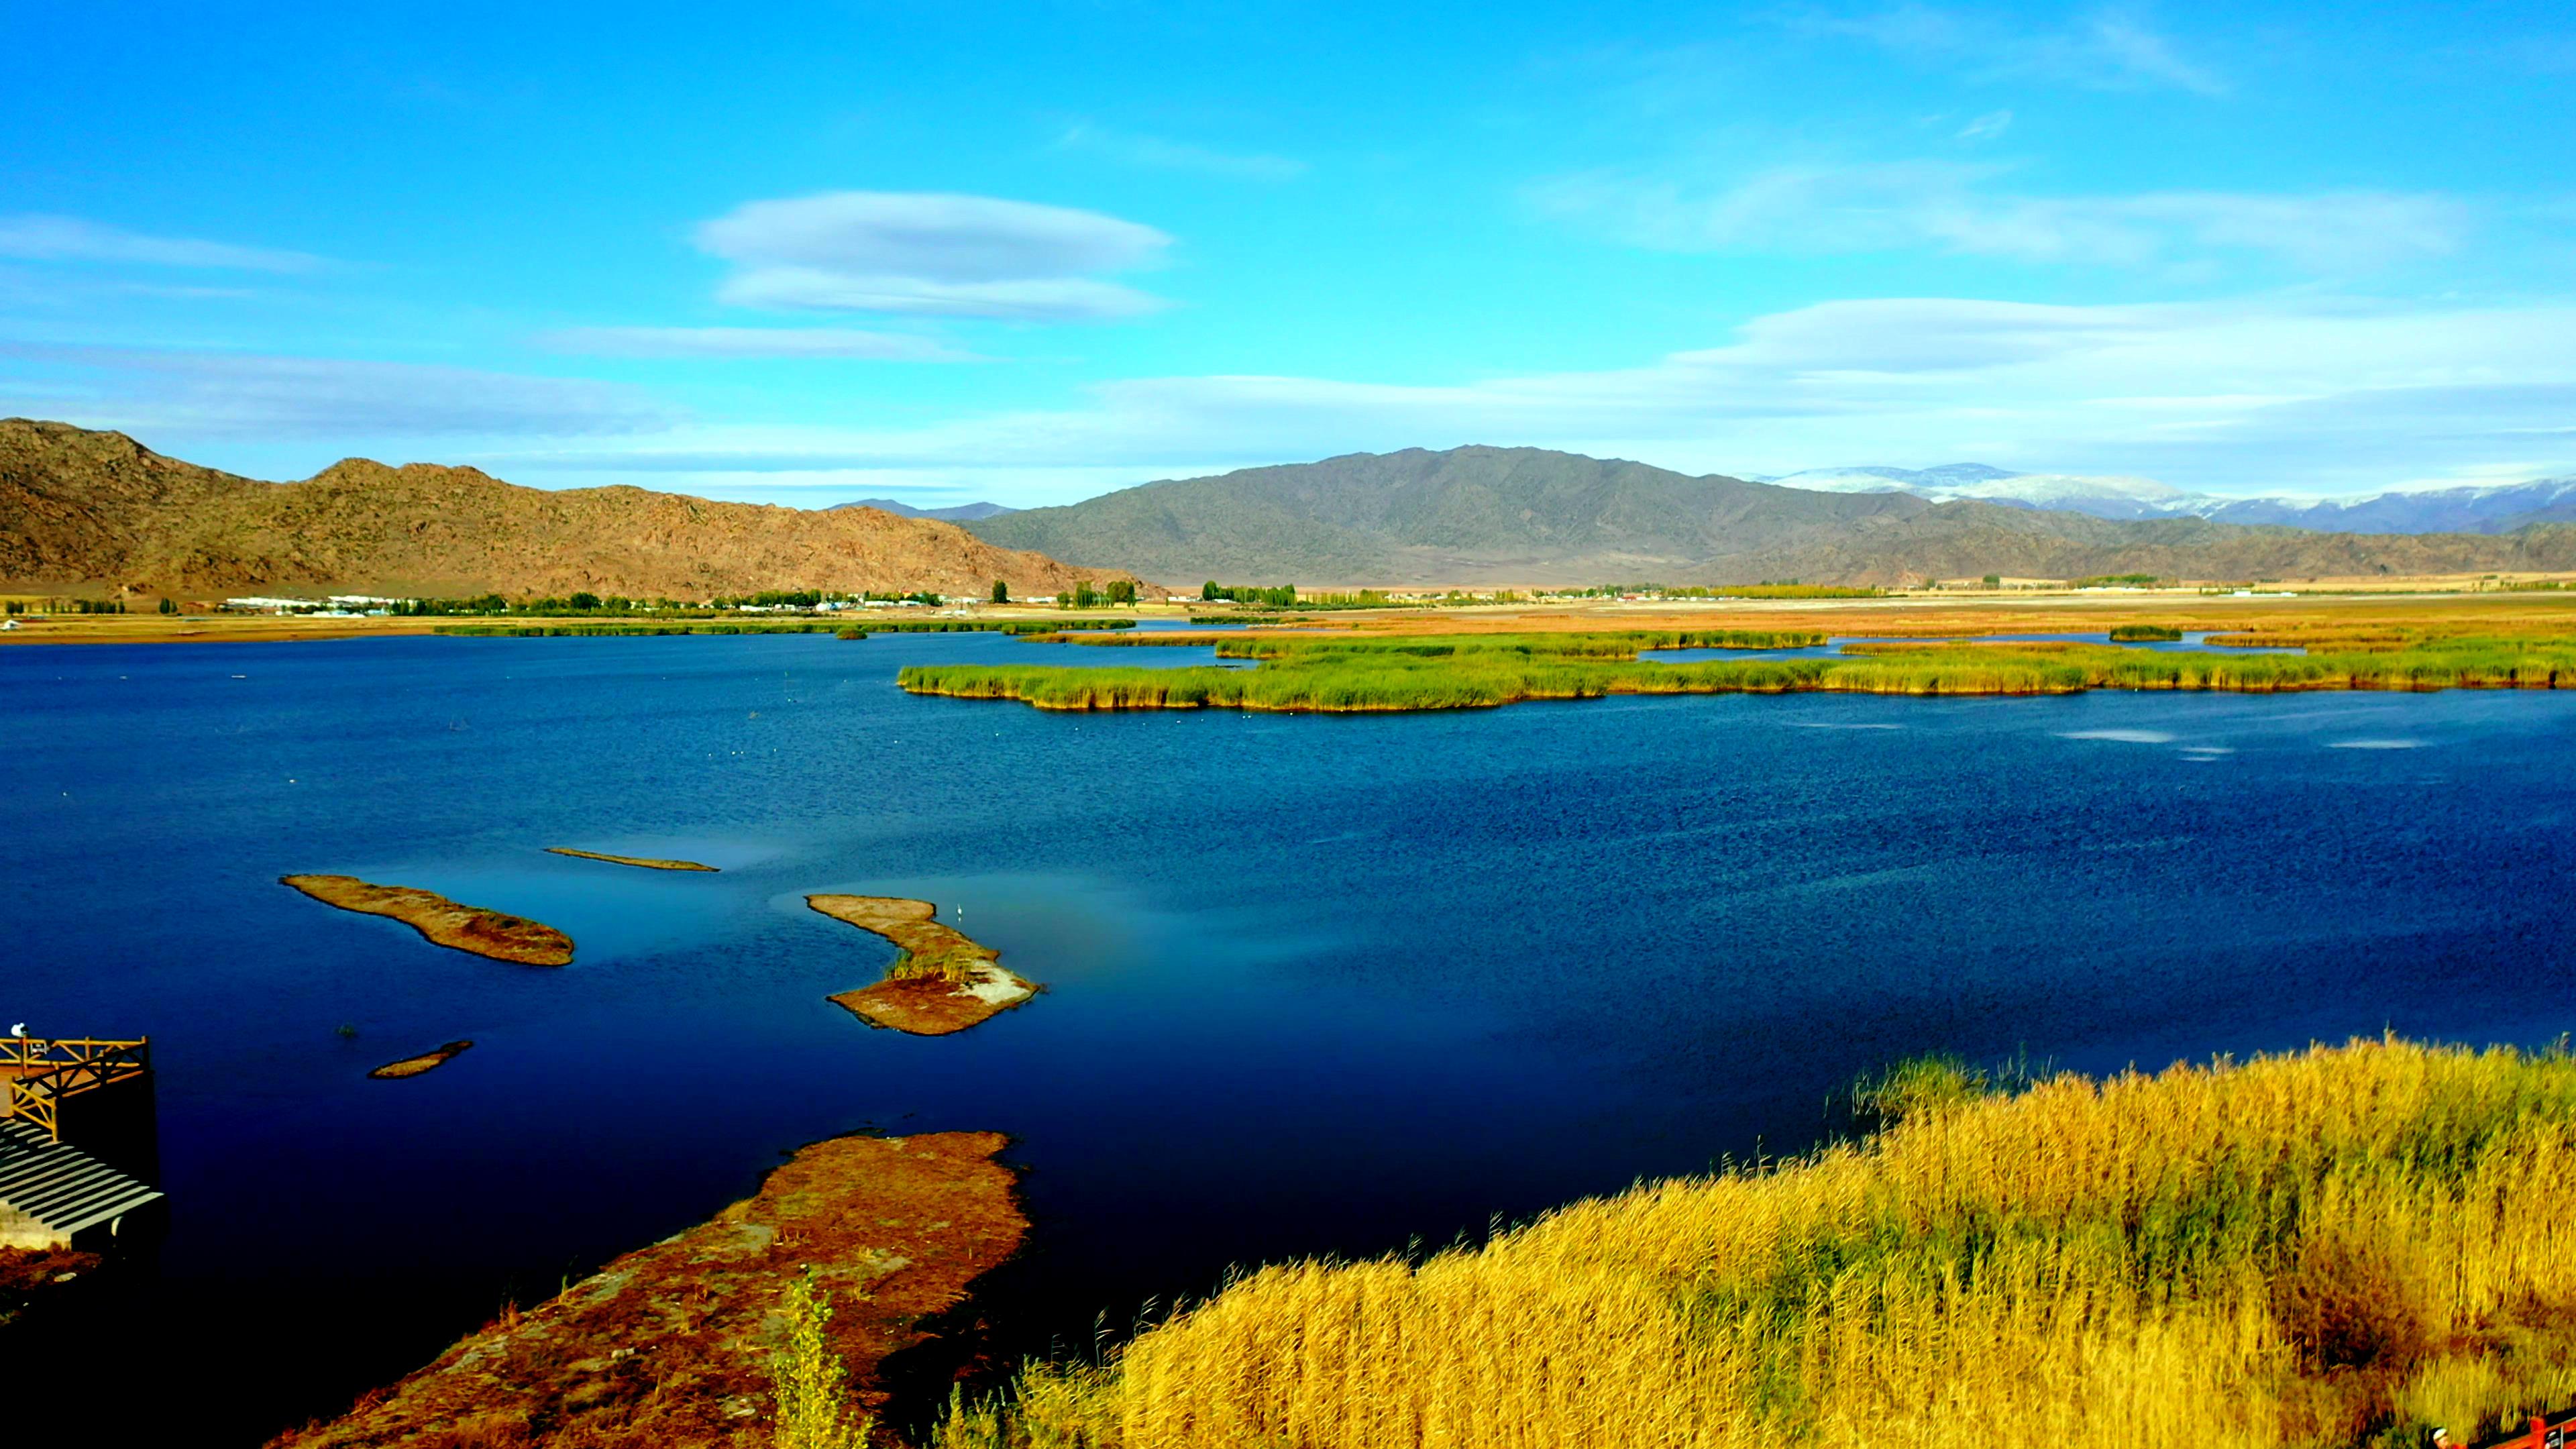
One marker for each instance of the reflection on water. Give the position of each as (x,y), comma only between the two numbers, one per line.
(1317,984)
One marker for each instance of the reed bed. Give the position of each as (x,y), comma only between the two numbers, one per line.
(602,630)
(2340,1247)
(2146,634)
(1476,671)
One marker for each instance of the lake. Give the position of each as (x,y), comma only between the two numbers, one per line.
(1317,984)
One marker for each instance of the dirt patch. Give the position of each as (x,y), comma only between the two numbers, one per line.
(446,923)
(670,1346)
(427,1061)
(645,861)
(28,1275)
(943,982)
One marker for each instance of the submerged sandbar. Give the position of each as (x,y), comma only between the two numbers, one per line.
(496,934)
(943,982)
(645,861)
(427,1061)
(672,1344)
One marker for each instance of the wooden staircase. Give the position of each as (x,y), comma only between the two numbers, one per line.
(48,1191)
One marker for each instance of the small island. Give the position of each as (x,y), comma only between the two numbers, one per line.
(430,1060)
(942,982)
(501,936)
(673,1344)
(645,861)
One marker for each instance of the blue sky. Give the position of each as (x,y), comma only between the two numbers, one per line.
(805,253)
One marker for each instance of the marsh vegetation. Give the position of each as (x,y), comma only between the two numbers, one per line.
(2345,1246)
(1416,672)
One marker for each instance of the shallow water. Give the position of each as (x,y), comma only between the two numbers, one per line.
(1317,984)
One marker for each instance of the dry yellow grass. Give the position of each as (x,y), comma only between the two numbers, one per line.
(2341,1247)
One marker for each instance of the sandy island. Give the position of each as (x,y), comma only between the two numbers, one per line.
(943,981)
(646,861)
(446,923)
(427,1061)
(671,1344)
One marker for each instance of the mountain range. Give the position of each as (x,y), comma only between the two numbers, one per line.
(2492,508)
(82,508)
(959,513)
(1531,516)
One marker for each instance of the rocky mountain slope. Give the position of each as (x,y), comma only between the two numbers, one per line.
(1525,515)
(79,509)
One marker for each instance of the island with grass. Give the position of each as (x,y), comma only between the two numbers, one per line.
(1427,671)
(781,1306)
(643,862)
(496,934)
(941,981)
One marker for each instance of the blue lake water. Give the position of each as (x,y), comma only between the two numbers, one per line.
(1317,984)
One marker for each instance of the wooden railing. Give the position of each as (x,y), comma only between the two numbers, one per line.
(41,1071)
(2547,1431)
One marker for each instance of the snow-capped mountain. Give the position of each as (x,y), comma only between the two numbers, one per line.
(2495,508)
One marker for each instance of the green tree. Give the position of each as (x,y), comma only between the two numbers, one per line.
(1001,592)
(1122,591)
(1209,592)
(169,606)
(584,601)
(1992,580)
(1083,597)
(811,1383)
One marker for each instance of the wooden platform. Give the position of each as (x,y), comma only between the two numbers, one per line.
(37,1073)
(48,1191)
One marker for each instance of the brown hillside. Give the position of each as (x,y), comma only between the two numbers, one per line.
(82,509)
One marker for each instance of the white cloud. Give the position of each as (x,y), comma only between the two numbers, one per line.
(1166,155)
(70,239)
(2261,395)
(1960,208)
(1038,299)
(2106,49)
(931,254)
(1987,127)
(751,342)
(242,395)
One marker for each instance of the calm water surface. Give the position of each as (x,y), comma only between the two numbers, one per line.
(1318,984)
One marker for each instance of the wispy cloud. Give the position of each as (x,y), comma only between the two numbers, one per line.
(2105,49)
(751,342)
(243,395)
(932,254)
(1167,155)
(1987,127)
(1963,208)
(41,238)
(2252,394)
